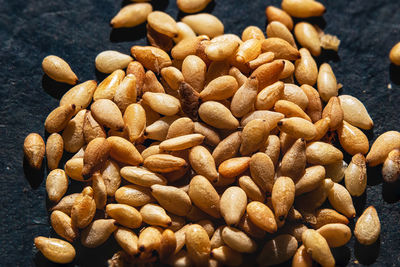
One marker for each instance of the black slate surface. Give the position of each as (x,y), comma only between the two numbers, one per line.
(77,30)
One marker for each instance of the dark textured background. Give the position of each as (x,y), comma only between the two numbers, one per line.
(77,30)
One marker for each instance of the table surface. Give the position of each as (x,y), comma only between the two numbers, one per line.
(77,30)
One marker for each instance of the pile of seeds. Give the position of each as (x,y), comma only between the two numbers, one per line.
(224,146)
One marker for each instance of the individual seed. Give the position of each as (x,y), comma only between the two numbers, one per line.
(308,37)
(194,72)
(322,153)
(172,199)
(204,196)
(158,39)
(125,215)
(203,163)
(262,216)
(124,151)
(127,239)
(254,135)
(91,128)
(303,8)
(252,32)
(355,113)
(167,245)
(152,58)
(34,150)
(184,32)
(322,127)
(282,198)
(111,177)
(188,6)
(336,170)
(56,250)
(293,93)
(62,225)
(96,154)
(107,113)
(268,96)
(231,168)
(279,30)
(162,23)
(211,135)
(151,83)
(302,258)
(233,205)
(341,200)
(131,15)
(220,88)
(222,50)
(227,256)
(133,195)
(80,95)
(318,248)
(204,23)
(326,82)
(281,48)
(352,139)
(150,239)
(382,146)
(99,190)
(73,168)
(66,203)
(162,103)
(59,70)
(72,135)
(172,76)
(294,161)
(217,69)
(135,121)
(181,127)
(58,119)
(298,128)
(238,240)
(314,107)
(277,14)
(314,199)
(290,109)
(110,60)
(164,163)
(368,227)
(310,180)
(262,171)
(155,215)
(83,209)
(198,244)
(394,54)
(391,167)
(141,176)
(227,148)
(187,47)
(277,250)
(336,234)
(126,93)
(250,228)
(181,142)
(356,175)
(98,232)
(108,87)
(217,115)
(322,217)
(334,111)
(245,97)
(306,68)
(263,58)
(273,148)
(248,51)
(56,184)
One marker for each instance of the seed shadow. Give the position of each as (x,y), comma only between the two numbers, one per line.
(40,261)
(100,76)
(53,88)
(209,9)
(374,175)
(128,34)
(160,4)
(391,192)
(367,255)
(359,202)
(95,256)
(327,55)
(342,255)
(319,21)
(33,176)
(394,74)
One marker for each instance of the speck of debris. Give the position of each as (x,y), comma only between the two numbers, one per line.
(389,86)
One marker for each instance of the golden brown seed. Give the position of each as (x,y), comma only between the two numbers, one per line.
(107,88)
(172,76)
(310,180)
(158,130)
(162,23)
(233,205)
(66,203)
(336,170)
(282,198)
(167,245)
(273,148)
(187,47)
(151,83)
(298,128)
(73,133)
(318,248)
(99,190)
(34,150)
(141,176)
(262,171)
(355,113)
(194,72)
(336,234)
(307,36)
(189,6)
(248,51)
(136,69)
(279,30)
(126,93)
(184,32)
(98,232)
(306,68)
(58,119)
(227,256)
(303,8)
(262,216)
(281,48)
(181,142)
(238,240)
(394,54)
(204,196)
(107,113)
(162,103)
(73,168)
(322,217)
(125,215)
(268,96)
(83,209)
(198,244)
(150,239)
(314,107)
(322,127)
(62,225)
(252,191)
(127,239)
(80,95)
(314,199)
(155,215)
(124,151)
(277,250)
(217,115)
(96,154)
(252,32)
(131,15)
(302,258)
(217,69)
(334,111)
(135,121)
(59,70)
(263,58)
(290,109)
(203,163)
(56,184)
(180,127)
(352,139)
(220,88)
(245,97)
(322,153)
(382,146)
(227,148)
(221,50)
(277,14)
(152,58)
(293,93)
(56,250)
(111,177)
(368,227)
(287,72)
(341,200)
(172,199)
(204,23)
(294,160)
(391,166)
(268,73)
(254,135)
(211,135)
(91,128)
(231,168)
(356,175)
(164,163)
(326,82)
(110,60)
(133,195)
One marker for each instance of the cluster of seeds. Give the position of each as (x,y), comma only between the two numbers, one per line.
(224,146)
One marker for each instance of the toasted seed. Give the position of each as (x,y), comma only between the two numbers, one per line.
(238,240)
(286,141)
(252,32)
(56,250)
(186,47)
(290,109)
(314,199)
(293,93)
(352,139)
(66,203)
(277,250)
(263,58)
(203,163)
(282,198)
(318,248)
(127,239)
(268,96)
(262,216)
(221,50)
(211,136)
(167,245)
(184,32)
(322,217)
(131,15)
(204,23)
(150,239)
(217,69)
(108,87)
(248,51)
(336,234)
(322,153)
(307,36)
(336,170)
(294,160)
(279,30)
(322,127)
(303,8)
(180,127)
(326,82)
(341,201)
(382,146)
(198,244)
(96,154)
(245,97)
(227,148)
(162,23)
(311,179)
(172,76)
(83,209)
(135,121)
(297,128)
(254,135)
(133,195)
(181,142)
(394,54)
(62,225)
(204,196)
(391,166)
(368,227)
(158,130)
(110,60)
(277,14)
(151,83)
(155,215)
(227,256)
(56,184)
(59,70)
(232,167)
(172,199)
(216,239)
(162,103)
(110,176)
(164,163)
(91,128)
(306,69)
(34,150)
(98,232)
(220,88)
(302,258)
(80,95)
(73,133)
(273,148)
(99,190)
(334,111)
(188,6)
(124,151)
(142,176)
(233,205)
(152,58)
(262,171)
(356,175)
(58,119)
(217,115)
(107,113)
(194,72)
(125,215)
(355,113)
(281,48)
(314,107)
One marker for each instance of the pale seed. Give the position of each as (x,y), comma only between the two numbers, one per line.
(341,200)
(355,113)
(59,70)
(56,184)
(303,8)
(368,227)
(277,250)
(391,166)
(277,14)
(80,95)
(318,248)
(131,15)
(204,23)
